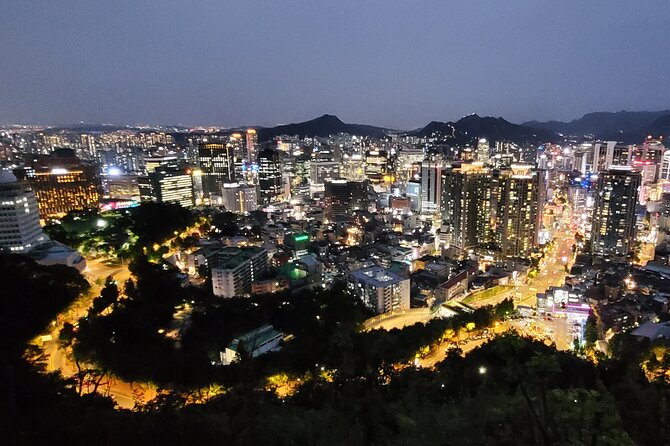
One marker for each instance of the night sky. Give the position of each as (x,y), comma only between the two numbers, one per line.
(393,63)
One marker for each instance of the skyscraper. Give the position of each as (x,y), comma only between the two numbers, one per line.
(518,196)
(431,185)
(614,211)
(252,142)
(19,217)
(217,163)
(466,205)
(269,175)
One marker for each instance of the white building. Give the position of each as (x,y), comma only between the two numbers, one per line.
(380,289)
(254,343)
(234,269)
(20,229)
(239,198)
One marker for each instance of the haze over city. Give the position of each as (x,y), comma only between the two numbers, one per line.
(395,64)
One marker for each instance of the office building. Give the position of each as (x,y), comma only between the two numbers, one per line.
(217,164)
(614,211)
(121,187)
(152,162)
(62,182)
(234,269)
(517,202)
(168,183)
(483,150)
(252,144)
(376,165)
(20,229)
(380,289)
(269,175)
(342,197)
(239,198)
(609,154)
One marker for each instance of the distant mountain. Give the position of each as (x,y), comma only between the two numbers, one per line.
(323,126)
(468,129)
(622,126)
(660,127)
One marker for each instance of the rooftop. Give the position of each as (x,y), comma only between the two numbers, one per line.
(228,257)
(377,276)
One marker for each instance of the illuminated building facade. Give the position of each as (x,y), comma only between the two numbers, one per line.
(62,183)
(168,183)
(466,205)
(20,229)
(269,175)
(217,164)
(614,211)
(517,202)
(431,186)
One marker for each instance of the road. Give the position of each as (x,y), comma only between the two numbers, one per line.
(124,394)
(552,270)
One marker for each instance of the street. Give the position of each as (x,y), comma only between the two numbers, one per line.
(124,394)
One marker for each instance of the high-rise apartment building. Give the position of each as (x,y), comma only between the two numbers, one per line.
(234,269)
(614,211)
(431,185)
(466,205)
(20,229)
(517,202)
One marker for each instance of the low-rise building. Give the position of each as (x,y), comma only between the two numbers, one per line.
(254,343)
(380,289)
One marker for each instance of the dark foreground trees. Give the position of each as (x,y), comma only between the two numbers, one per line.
(511,391)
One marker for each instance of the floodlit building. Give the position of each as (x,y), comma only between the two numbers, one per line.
(19,217)
(234,269)
(380,289)
(62,183)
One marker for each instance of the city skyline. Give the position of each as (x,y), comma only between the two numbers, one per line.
(396,67)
